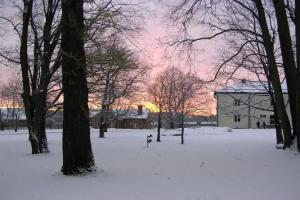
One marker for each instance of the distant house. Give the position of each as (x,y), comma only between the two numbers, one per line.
(54,119)
(131,119)
(246,104)
(134,119)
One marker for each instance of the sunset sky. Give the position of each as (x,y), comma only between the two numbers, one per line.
(156,32)
(150,45)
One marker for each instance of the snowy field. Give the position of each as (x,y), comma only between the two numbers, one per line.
(213,164)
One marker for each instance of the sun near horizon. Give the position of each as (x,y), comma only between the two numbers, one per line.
(151,106)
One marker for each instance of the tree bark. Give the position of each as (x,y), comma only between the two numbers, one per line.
(77,151)
(40,121)
(297,27)
(279,138)
(278,128)
(273,73)
(289,64)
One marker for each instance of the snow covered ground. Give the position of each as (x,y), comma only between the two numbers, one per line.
(212,164)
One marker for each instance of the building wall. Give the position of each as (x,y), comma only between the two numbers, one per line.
(135,123)
(227,110)
(132,123)
(252,107)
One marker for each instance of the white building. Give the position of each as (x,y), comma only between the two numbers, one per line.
(246,104)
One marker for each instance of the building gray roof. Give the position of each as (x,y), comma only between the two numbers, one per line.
(133,114)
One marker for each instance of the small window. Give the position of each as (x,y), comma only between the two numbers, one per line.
(271,102)
(237,118)
(272,119)
(262,116)
(237,102)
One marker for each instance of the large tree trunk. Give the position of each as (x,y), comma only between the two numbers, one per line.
(27,100)
(278,128)
(279,138)
(297,16)
(273,73)
(43,137)
(40,121)
(77,152)
(289,64)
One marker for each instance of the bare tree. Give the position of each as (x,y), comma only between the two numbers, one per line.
(175,93)
(157,93)
(186,97)
(273,73)
(289,63)
(25,76)
(172,75)
(39,59)
(11,96)
(114,71)
(119,76)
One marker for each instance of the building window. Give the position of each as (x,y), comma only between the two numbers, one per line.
(237,102)
(272,119)
(237,118)
(271,102)
(262,116)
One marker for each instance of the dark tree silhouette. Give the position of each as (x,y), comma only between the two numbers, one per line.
(27,99)
(288,59)
(39,60)
(274,76)
(297,17)
(77,152)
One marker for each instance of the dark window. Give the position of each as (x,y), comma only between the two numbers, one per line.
(262,116)
(237,118)
(272,119)
(237,102)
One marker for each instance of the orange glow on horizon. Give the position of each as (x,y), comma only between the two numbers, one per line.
(211,110)
(151,107)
